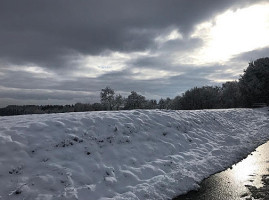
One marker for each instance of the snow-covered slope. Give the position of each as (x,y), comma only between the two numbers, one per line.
(138,154)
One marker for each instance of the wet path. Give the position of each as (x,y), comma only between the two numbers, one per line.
(247,179)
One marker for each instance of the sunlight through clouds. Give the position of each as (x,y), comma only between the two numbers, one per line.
(94,66)
(233,32)
(149,74)
(173,35)
(34,70)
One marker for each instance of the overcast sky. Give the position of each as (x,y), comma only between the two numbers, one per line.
(66,51)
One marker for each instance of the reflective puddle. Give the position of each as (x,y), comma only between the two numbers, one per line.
(247,179)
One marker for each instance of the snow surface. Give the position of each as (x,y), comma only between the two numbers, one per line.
(141,154)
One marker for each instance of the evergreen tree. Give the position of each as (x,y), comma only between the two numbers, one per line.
(254,83)
(135,101)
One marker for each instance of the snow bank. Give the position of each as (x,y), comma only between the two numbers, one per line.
(142,154)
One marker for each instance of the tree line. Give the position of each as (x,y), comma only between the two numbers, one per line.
(252,87)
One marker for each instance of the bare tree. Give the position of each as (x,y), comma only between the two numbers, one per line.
(118,102)
(107,98)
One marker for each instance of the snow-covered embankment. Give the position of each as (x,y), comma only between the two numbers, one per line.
(138,154)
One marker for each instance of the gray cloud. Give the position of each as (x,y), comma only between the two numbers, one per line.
(252,55)
(38,94)
(168,86)
(55,34)
(164,56)
(26,80)
(87,89)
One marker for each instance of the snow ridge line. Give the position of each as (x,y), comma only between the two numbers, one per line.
(140,154)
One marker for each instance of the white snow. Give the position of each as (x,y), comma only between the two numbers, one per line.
(140,154)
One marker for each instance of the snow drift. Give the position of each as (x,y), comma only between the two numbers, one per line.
(141,154)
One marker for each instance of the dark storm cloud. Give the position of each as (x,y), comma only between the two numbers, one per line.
(48,32)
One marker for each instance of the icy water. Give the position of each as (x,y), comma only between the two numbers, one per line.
(248,179)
